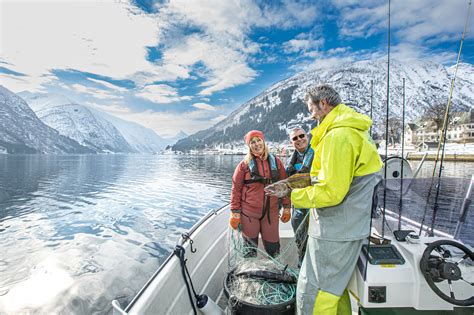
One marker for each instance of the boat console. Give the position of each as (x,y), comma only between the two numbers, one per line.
(424,276)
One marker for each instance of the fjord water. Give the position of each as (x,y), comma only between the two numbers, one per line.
(77,232)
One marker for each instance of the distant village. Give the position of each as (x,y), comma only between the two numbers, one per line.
(422,136)
(426,133)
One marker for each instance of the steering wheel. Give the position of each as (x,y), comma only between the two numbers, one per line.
(437,268)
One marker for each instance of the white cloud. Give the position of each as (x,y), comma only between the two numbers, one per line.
(235,19)
(109,85)
(337,50)
(113,108)
(104,38)
(164,123)
(407,51)
(411,21)
(24,83)
(94,92)
(218,119)
(161,93)
(223,45)
(302,44)
(204,106)
(224,67)
(40,36)
(327,62)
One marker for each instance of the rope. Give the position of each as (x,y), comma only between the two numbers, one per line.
(179,252)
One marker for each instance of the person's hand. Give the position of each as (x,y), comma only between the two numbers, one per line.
(290,169)
(286,215)
(234,220)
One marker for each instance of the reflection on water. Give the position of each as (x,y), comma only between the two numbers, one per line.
(79,231)
(94,228)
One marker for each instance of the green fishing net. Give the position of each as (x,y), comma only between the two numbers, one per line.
(263,279)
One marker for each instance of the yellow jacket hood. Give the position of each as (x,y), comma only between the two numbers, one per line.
(340,116)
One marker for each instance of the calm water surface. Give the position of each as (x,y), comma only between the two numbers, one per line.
(77,232)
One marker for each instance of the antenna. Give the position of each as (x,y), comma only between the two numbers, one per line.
(386,125)
(400,206)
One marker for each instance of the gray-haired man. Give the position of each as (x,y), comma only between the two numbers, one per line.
(300,162)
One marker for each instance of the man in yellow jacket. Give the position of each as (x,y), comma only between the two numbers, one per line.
(344,173)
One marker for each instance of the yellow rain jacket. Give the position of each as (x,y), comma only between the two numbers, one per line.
(344,154)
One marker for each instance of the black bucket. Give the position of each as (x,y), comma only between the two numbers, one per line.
(239,307)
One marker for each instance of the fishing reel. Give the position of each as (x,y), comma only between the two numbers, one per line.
(439,264)
(397,168)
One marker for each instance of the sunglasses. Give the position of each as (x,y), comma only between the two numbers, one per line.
(301,136)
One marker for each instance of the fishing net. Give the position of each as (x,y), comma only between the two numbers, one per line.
(263,280)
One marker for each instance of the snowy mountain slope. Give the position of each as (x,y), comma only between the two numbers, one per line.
(141,139)
(41,101)
(79,123)
(172,139)
(21,131)
(279,108)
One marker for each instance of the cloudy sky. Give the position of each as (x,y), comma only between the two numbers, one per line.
(186,64)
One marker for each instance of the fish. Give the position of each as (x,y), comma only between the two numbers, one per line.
(282,276)
(283,187)
(300,180)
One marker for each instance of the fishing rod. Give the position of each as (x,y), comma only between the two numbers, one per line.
(386,126)
(400,205)
(442,142)
(371,105)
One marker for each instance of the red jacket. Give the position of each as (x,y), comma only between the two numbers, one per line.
(250,197)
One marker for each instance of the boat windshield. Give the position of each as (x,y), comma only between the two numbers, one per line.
(418,201)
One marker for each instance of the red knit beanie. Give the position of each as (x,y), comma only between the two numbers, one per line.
(253,133)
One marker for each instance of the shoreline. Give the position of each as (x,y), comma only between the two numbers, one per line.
(452,157)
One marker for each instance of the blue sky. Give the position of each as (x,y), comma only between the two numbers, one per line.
(185,64)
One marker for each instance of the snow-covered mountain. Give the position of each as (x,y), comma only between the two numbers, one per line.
(109,132)
(172,139)
(79,123)
(21,131)
(280,108)
(41,101)
(141,139)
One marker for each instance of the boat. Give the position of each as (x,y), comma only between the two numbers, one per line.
(401,273)
(408,265)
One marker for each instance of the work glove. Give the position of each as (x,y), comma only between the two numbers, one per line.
(286,215)
(234,219)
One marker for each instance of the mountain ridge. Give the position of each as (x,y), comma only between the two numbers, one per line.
(21,131)
(279,108)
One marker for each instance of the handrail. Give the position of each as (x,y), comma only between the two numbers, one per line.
(394,216)
(118,308)
(420,165)
(464,208)
(182,240)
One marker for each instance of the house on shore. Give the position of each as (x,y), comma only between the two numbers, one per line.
(425,133)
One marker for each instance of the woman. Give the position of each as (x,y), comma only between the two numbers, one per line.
(251,209)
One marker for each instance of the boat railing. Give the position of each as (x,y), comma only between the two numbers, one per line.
(464,209)
(117,309)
